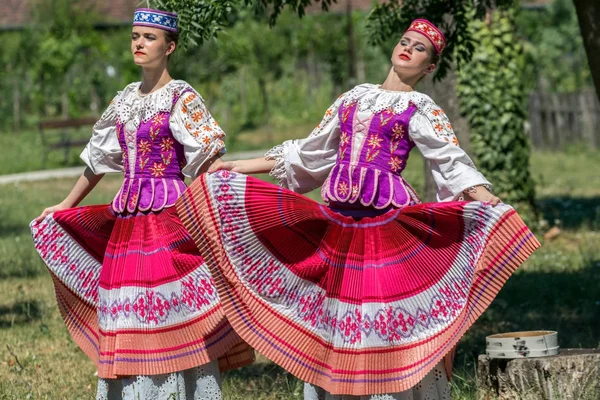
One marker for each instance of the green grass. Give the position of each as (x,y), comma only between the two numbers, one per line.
(24,152)
(556,289)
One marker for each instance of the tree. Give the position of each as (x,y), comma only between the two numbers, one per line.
(202,20)
(492,97)
(588,14)
(554,51)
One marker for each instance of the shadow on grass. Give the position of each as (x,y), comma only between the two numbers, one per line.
(573,212)
(21,312)
(567,302)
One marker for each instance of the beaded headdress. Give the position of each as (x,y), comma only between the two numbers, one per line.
(429,30)
(155,19)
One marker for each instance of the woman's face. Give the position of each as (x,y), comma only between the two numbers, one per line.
(149,46)
(412,55)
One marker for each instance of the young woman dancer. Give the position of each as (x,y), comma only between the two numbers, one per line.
(367,295)
(133,290)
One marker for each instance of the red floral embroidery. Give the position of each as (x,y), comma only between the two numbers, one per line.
(197,116)
(166,144)
(133,200)
(396,163)
(397,131)
(144,147)
(189,99)
(158,120)
(158,170)
(374,141)
(344,139)
(343,188)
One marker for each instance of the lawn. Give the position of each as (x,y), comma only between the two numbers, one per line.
(24,152)
(556,289)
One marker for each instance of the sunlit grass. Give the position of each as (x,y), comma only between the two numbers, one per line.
(556,289)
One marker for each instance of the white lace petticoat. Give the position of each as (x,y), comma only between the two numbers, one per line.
(199,383)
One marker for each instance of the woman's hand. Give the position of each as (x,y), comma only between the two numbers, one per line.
(254,166)
(480,193)
(219,164)
(50,210)
(86,182)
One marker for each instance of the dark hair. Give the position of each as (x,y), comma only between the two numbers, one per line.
(435,56)
(171,36)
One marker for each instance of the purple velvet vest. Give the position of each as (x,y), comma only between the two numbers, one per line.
(154,180)
(371,156)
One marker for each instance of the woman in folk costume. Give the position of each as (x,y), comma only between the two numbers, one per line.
(366,295)
(133,289)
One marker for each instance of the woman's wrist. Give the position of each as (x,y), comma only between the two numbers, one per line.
(486,189)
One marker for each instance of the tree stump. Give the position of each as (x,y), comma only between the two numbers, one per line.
(572,374)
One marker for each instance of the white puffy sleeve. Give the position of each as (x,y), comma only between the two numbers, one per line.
(303,164)
(198,132)
(103,153)
(452,169)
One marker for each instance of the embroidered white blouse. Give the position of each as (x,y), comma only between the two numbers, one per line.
(304,164)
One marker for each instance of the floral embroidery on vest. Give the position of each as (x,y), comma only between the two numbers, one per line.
(143,162)
(154,133)
(158,170)
(343,188)
(144,147)
(374,144)
(158,119)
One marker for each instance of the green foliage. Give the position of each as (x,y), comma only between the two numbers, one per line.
(389,20)
(203,20)
(199,20)
(493,100)
(58,66)
(253,75)
(555,57)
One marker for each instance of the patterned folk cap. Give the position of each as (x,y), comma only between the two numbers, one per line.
(155,19)
(429,30)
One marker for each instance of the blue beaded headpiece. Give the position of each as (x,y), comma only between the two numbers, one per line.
(155,19)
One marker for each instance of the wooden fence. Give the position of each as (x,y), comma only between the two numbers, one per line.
(559,120)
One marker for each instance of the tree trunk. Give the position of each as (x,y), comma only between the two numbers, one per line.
(262,84)
(17,105)
(95,101)
(588,14)
(243,99)
(312,72)
(572,374)
(64,104)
